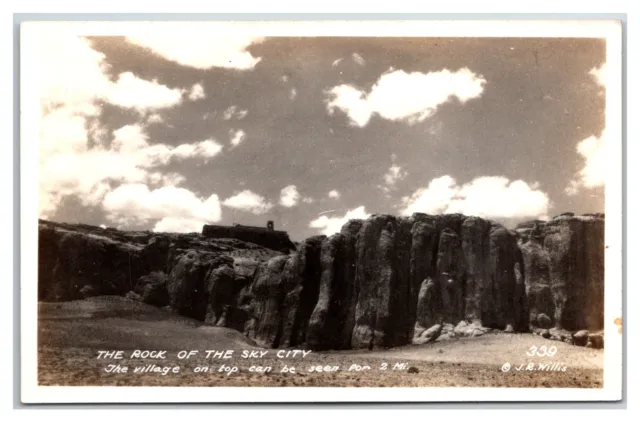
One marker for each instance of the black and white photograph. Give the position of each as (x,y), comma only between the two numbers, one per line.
(390,206)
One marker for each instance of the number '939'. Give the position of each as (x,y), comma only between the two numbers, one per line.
(542,351)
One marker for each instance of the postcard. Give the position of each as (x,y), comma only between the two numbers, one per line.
(321,211)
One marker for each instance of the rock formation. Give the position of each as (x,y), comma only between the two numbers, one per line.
(382,282)
(564,271)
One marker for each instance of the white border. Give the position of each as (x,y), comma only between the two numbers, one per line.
(30,109)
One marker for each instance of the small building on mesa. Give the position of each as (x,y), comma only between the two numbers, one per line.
(267,236)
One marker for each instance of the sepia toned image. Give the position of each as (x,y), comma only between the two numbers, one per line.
(269,205)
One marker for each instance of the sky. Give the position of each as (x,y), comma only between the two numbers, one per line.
(171,130)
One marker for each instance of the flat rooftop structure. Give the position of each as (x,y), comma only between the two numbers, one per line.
(264,236)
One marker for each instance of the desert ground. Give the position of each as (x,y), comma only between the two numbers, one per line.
(71,334)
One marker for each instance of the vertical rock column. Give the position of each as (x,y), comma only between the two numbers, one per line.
(475,246)
(301,285)
(265,324)
(375,276)
(328,315)
(450,275)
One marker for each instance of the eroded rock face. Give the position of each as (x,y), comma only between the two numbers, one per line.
(152,289)
(382,282)
(427,305)
(266,307)
(376,278)
(222,290)
(187,285)
(564,271)
(450,273)
(324,330)
(475,246)
(97,264)
(110,261)
(301,285)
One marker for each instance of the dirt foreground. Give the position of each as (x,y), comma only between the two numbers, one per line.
(71,336)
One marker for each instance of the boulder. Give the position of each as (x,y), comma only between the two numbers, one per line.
(580,338)
(476,332)
(596,341)
(542,332)
(427,336)
(461,328)
(561,335)
(445,336)
(447,328)
(543,321)
(131,295)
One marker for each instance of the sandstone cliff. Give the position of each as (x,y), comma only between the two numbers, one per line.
(382,282)
(564,271)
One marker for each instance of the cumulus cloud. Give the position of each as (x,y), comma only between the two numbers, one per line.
(400,96)
(72,168)
(75,155)
(176,209)
(592,173)
(72,74)
(197,92)
(248,201)
(592,150)
(154,118)
(492,197)
(392,177)
(168,179)
(334,194)
(203,149)
(196,47)
(179,225)
(233,112)
(289,196)
(330,225)
(135,93)
(237,137)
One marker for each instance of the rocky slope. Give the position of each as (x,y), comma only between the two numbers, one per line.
(383,282)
